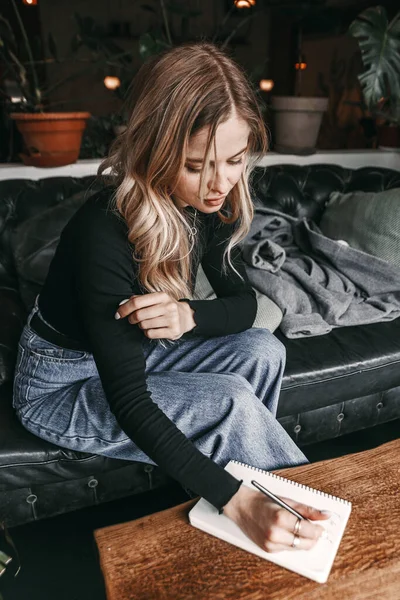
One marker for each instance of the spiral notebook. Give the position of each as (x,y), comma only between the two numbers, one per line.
(316,563)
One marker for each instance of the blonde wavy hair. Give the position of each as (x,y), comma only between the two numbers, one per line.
(173,96)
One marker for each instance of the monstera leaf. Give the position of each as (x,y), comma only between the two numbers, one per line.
(379,43)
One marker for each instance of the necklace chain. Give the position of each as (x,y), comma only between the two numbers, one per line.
(193,229)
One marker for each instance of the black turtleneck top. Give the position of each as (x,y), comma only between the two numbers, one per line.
(92,271)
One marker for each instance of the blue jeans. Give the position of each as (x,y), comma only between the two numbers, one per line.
(221,392)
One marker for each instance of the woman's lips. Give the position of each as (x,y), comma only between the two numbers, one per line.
(215,201)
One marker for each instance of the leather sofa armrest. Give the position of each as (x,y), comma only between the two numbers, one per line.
(12,319)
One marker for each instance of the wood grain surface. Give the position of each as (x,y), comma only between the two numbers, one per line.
(163,557)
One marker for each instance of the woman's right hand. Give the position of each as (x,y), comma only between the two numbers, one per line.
(270,526)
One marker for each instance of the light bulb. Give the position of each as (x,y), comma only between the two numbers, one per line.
(244,3)
(112,83)
(266,85)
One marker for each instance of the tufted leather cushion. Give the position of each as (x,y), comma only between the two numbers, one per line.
(350,362)
(21,199)
(304,191)
(12,319)
(35,241)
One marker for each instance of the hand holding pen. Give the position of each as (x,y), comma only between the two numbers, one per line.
(273,523)
(300,518)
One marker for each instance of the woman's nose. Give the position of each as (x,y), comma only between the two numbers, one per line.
(219,182)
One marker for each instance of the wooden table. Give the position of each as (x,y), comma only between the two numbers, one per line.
(163,557)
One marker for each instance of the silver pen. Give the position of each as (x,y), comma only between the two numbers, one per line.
(279,501)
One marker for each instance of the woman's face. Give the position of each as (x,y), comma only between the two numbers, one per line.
(223,171)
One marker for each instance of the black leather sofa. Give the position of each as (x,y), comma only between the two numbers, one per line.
(334,384)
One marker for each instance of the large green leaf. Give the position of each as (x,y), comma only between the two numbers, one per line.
(379,43)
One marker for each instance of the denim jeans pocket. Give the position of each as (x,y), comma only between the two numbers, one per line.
(45,369)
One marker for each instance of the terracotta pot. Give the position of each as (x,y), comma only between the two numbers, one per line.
(51,139)
(388,137)
(297,121)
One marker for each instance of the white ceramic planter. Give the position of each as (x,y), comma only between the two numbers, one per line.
(296,123)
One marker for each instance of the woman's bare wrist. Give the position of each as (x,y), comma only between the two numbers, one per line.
(239,502)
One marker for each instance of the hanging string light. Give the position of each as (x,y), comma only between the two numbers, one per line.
(266,85)
(244,3)
(300,66)
(111,82)
(30,2)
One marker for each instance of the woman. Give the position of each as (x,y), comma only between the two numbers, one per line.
(183,384)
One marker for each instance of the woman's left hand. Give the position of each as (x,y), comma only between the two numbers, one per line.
(159,315)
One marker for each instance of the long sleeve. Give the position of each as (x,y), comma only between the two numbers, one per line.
(235,307)
(105,275)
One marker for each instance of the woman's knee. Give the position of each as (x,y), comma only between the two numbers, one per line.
(261,345)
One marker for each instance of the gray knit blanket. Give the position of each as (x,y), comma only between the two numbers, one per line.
(317,282)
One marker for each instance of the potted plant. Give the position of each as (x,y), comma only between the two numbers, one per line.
(297,118)
(379,42)
(50,138)
(297,121)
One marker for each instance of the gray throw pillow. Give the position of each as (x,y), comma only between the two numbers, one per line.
(269,315)
(35,242)
(367,221)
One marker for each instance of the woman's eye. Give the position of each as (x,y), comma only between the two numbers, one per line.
(233,163)
(192,169)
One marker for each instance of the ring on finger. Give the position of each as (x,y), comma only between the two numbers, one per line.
(296,541)
(297,526)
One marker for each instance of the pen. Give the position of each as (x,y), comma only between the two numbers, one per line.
(281,503)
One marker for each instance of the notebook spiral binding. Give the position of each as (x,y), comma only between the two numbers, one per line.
(295,483)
